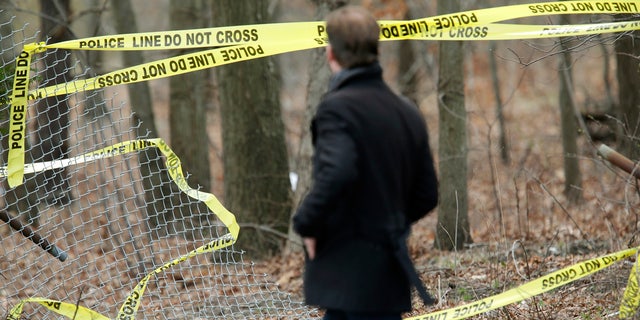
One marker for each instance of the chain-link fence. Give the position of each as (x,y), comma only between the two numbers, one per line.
(84,233)
(95,231)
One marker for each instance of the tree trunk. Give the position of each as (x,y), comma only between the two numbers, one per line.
(256,172)
(156,182)
(627,52)
(95,106)
(316,87)
(452,231)
(504,146)
(52,121)
(569,126)
(408,67)
(189,96)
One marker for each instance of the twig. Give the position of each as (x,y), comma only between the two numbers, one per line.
(75,312)
(584,236)
(272,231)
(513,257)
(495,183)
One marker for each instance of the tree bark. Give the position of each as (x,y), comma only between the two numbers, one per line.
(157,185)
(408,68)
(452,231)
(627,51)
(569,126)
(188,98)
(52,121)
(256,172)
(316,87)
(504,146)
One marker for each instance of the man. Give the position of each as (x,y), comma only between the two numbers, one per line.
(373,177)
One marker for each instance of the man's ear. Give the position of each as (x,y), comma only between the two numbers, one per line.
(329,53)
(331,59)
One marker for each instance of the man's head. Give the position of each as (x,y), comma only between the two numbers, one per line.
(353,36)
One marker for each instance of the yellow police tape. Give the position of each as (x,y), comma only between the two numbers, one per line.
(173,164)
(132,303)
(256,41)
(306,35)
(242,43)
(18,115)
(532,288)
(631,297)
(66,309)
(424,28)
(242,52)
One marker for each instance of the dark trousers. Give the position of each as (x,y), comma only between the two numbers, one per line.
(342,315)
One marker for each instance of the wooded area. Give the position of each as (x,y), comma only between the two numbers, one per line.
(514,125)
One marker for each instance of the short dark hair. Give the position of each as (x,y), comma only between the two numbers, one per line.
(354,35)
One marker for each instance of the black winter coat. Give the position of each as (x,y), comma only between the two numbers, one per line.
(373,176)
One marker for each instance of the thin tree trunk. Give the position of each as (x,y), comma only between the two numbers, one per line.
(316,87)
(95,107)
(188,98)
(606,73)
(504,146)
(452,231)
(569,127)
(408,67)
(156,183)
(52,122)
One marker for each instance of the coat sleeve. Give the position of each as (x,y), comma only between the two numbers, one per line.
(334,169)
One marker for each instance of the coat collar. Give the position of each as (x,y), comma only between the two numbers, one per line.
(341,78)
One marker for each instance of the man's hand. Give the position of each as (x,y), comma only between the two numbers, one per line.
(310,244)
